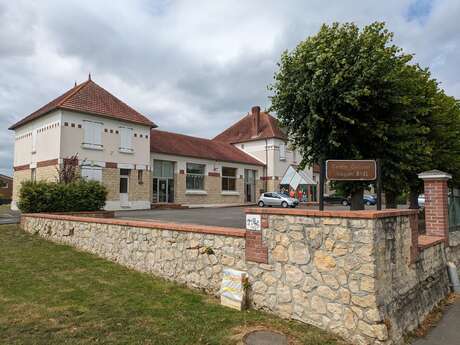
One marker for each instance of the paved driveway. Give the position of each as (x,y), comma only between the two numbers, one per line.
(226,216)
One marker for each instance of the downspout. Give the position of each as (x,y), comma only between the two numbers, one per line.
(266,165)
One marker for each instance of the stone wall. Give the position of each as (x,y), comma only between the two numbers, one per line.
(19,177)
(351,273)
(111,181)
(453,250)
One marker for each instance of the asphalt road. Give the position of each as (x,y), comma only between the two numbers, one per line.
(233,217)
(9,217)
(447,332)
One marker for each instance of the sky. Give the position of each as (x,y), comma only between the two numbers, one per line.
(193,67)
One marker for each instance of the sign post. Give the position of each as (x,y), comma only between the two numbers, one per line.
(350,170)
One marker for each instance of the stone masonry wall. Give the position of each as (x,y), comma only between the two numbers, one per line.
(175,255)
(453,250)
(111,181)
(351,275)
(19,177)
(407,288)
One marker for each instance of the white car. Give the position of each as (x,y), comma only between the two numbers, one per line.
(277,199)
(421,200)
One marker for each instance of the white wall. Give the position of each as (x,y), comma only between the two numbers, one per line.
(48,134)
(275,166)
(72,139)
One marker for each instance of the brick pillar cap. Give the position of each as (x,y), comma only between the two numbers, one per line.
(434,175)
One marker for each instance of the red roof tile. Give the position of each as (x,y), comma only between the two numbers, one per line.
(245,129)
(88,97)
(185,145)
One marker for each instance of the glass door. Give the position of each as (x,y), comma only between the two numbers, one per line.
(249,185)
(162,190)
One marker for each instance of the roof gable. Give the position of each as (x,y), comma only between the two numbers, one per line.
(89,97)
(245,129)
(188,146)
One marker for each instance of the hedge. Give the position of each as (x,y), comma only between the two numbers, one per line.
(80,195)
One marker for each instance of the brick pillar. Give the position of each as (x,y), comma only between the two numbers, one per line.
(436,203)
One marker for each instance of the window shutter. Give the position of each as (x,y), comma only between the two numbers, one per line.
(97,131)
(87,130)
(282,151)
(126,135)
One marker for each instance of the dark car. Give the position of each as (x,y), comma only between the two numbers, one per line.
(369,200)
(336,200)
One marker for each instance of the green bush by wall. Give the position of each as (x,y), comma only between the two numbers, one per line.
(80,195)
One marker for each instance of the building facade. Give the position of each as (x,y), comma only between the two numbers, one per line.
(140,165)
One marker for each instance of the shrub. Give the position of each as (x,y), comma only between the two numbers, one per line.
(79,195)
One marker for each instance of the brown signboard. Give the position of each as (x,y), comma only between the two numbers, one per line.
(351,170)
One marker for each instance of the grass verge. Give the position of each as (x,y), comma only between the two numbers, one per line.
(53,294)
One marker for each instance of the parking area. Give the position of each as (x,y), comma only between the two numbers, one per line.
(221,216)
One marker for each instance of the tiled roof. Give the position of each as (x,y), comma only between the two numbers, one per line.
(188,146)
(89,97)
(244,130)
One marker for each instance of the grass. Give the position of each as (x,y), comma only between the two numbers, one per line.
(53,294)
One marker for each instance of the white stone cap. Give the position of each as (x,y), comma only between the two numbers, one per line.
(434,175)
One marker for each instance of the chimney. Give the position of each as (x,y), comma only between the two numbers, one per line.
(255,110)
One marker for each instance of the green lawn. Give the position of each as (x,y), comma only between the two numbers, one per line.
(53,294)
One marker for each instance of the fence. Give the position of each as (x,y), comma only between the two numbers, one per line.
(454,213)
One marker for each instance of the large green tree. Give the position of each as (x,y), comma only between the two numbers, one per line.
(347,93)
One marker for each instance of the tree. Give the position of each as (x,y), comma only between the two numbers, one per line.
(340,92)
(68,171)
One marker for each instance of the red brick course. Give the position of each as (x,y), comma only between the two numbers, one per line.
(436,208)
(366,214)
(255,250)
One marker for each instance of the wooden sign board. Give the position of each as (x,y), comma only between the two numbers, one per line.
(351,170)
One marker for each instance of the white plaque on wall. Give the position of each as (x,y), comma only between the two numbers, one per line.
(253,222)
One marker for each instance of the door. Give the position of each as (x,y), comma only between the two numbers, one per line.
(249,185)
(124,183)
(162,190)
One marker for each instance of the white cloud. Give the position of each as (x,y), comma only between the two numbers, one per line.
(184,63)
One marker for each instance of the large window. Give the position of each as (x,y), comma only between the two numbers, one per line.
(195,176)
(92,138)
(126,140)
(91,173)
(228,179)
(163,168)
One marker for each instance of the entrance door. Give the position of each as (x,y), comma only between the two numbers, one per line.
(124,183)
(163,190)
(249,185)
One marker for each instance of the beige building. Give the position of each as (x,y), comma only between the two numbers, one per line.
(140,165)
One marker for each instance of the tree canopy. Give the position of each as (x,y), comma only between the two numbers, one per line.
(350,93)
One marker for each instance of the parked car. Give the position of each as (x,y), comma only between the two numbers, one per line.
(369,200)
(277,199)
(336,200)
(421,200)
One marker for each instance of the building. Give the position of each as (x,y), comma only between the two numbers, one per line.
(6,188)
(141,165)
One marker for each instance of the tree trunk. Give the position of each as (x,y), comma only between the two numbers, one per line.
(357,202)
(413,199)
(390,200)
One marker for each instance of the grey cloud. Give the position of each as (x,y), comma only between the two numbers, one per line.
(192,66)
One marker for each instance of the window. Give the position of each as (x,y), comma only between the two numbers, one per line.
(140,177)
(3,184)
(195,176)
(282,152)
(125,172)
(126,142)
(33,174)
(92,138)
(228,179)
(163,168)
(91,173)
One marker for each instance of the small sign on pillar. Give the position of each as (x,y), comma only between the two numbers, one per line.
(253,222)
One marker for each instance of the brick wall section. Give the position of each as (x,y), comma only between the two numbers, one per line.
(47,173)
(139,192)
(213,187)
(255,250)
(436,208)
(111,181)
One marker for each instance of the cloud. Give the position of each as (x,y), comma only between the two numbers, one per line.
(191,66)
